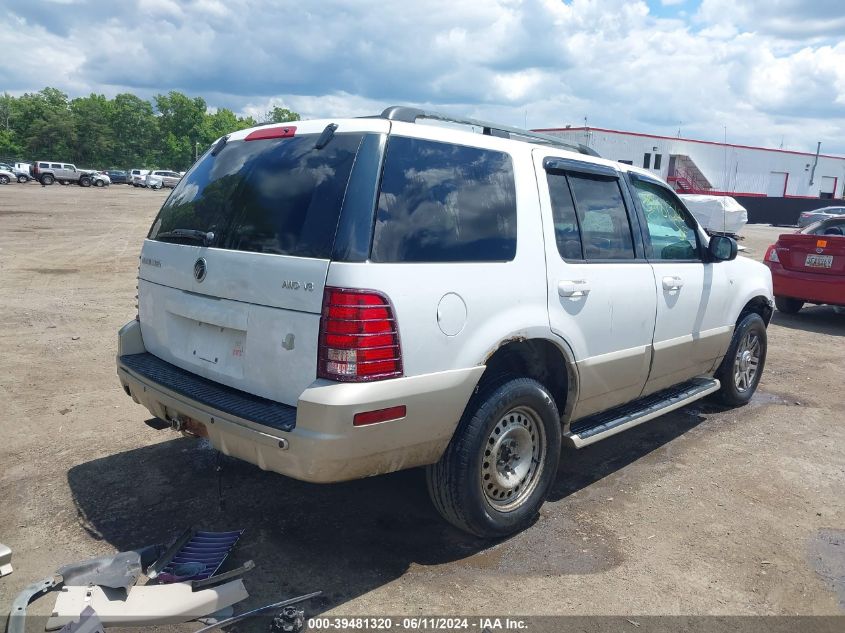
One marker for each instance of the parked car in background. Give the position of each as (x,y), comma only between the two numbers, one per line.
(118,176)
(64,173)
(809,217)
(137,177)
(809,266)
(162,178)
(6,176)
(20,171)
(100,179)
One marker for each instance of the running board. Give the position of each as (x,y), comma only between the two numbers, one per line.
(597,427)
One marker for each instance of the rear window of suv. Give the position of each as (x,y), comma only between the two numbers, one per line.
(441,202)
(280,196)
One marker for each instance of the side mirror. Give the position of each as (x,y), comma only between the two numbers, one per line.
(722,248)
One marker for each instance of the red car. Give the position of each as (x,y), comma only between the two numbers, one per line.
(809,266)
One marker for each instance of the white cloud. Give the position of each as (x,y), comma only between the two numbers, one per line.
(766,69)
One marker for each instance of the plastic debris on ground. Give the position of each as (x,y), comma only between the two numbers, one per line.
(196,555)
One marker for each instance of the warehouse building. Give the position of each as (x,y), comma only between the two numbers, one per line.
(775,185)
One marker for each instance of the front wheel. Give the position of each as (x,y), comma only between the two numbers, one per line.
(496,471)
(4,179)
(788,305)
(743,364)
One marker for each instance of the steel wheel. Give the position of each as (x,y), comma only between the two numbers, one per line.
(747,361)
(513,459)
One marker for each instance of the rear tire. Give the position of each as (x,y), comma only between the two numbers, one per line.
(99,183)
(84,181)
(4,179)
(47,179)
(23,179)
(502,459)
(788,305)
(744,361)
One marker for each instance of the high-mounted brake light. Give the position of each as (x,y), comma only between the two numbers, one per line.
(261,134)
(359,338)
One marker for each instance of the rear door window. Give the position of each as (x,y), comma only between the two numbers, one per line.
(280,196)
(605,226)
(441,202)
(567,234)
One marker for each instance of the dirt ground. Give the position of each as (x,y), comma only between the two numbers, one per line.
(702,511)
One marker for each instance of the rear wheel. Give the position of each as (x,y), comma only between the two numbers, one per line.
(496,471)
(23,178)
(743,364)
(788,305)
(99,183)
(84,181)
(4,179)
(47,179)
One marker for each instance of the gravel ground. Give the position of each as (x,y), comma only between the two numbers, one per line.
(702,511)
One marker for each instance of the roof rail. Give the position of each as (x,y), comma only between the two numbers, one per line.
(410,115)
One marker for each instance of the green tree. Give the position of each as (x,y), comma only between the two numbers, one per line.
(281,115)
(122,132)
(180,122)
(135,132)
(91,117)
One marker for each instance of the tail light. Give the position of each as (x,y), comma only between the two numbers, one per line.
(772,255)
(359,337)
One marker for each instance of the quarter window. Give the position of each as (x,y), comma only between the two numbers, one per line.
(441,202)
(671,232)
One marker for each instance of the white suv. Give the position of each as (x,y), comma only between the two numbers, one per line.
(342,298)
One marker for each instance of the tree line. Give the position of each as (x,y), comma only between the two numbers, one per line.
(120,133)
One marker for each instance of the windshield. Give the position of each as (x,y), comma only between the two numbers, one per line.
(280,196)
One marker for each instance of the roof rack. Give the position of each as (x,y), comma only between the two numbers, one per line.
(410,115)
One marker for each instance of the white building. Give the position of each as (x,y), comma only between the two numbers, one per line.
(694,166)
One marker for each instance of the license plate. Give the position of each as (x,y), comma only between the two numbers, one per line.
(819,261)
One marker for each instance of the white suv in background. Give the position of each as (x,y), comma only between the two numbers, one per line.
(162,178)
(138,177)
(343,298)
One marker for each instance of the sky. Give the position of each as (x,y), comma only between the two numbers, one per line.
(760,72)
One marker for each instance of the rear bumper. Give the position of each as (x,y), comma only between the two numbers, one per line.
(323,446)
(809,287)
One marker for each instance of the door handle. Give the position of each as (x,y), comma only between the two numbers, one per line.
(575,288)
(672,283)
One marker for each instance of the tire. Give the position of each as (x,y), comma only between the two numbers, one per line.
(47,179)
(788,305)
(4,180)
(84,181)
(99,183)
(744,361)
(23,179)
(513,419)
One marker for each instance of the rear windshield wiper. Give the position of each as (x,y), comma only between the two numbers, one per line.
(206,237)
